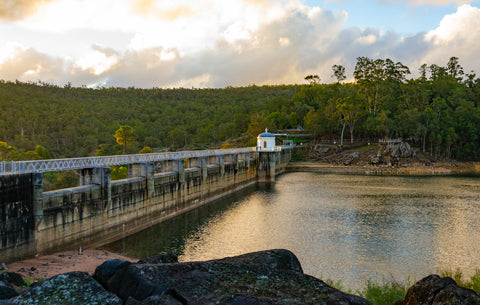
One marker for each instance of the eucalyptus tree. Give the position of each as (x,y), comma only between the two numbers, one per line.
(313,79)
(339,73)
(367,74)
(381,83)
(7,152)
(349,109)
(124,135)
(454,69)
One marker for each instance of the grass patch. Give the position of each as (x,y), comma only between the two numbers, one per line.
(384,294)
(338,285)
(457,275)
(387,293)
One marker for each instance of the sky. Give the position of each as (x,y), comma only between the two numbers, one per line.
(220,43)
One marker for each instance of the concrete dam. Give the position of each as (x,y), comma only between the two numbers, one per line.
(99,210)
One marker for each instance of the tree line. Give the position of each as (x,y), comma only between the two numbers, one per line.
(438,111)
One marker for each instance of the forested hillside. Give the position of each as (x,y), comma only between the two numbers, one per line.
(72,122)
(439,112)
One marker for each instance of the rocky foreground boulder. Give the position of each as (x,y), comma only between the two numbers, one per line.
(68,288)
(266,277)
(435,290)
(260,278)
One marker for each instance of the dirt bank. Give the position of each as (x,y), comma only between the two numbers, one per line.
(44,267)
(375,159)
(463,168)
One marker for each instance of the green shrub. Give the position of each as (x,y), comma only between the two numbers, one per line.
(119,172)
(338,285)
(384,294)
(388,293)
(27,282)
(457,275)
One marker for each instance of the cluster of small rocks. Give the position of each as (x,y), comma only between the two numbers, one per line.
(392,154)
(260,278)
(388,155)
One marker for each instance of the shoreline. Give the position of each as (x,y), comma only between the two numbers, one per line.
(44,267)
(443,169)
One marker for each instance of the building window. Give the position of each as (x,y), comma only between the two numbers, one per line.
(264,144)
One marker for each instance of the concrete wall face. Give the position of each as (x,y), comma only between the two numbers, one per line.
(100,211)
(16,211)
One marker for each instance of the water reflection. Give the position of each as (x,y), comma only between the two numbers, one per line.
(343,227)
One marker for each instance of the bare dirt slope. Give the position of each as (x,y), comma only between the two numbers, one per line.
(377,157)
(44,267)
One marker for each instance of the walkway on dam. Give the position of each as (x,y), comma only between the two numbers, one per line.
(158,186)
(53,165)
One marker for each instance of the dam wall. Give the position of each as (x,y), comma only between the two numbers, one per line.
(99,210)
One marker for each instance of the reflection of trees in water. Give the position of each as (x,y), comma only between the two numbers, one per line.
(170,235)
(342,227)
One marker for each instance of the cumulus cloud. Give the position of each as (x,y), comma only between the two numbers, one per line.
(18,9)
(257,42)
(168,11)
(431,2)
(457,35)
(28,64)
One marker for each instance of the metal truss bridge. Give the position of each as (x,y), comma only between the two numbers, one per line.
(54,165)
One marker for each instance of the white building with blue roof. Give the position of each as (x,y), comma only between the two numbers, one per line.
(266,141)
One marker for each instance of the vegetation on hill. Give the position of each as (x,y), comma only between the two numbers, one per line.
(439,112)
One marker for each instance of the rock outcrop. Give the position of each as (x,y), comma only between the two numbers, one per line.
(70,288)
(434,290)
(271,277)
(267,277)
(9,285)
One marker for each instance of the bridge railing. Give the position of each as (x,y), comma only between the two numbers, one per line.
(53,165)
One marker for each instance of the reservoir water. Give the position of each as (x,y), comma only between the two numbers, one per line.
(341,227)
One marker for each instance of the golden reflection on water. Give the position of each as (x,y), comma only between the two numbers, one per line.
(353,228)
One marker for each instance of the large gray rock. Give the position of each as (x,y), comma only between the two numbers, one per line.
(7,292)
(70,288)
(434,290)
(401,150)
(12,278)
(107,272)
(376,159)
(351,157)
(405,150)
(267,277)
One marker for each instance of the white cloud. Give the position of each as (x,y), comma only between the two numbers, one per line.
(29,65)
(98,60)
(366,40)
(457,35)
(431,2)
(18,9)
(460,25)
(212,43)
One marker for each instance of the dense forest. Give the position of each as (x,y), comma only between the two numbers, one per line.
(439,112)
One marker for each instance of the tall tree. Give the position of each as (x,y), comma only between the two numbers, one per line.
(124,135)
(349,109)
(339,72)
(313,79)
(7,152)
(454,69)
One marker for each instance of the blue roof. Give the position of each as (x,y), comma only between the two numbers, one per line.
(266,134)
